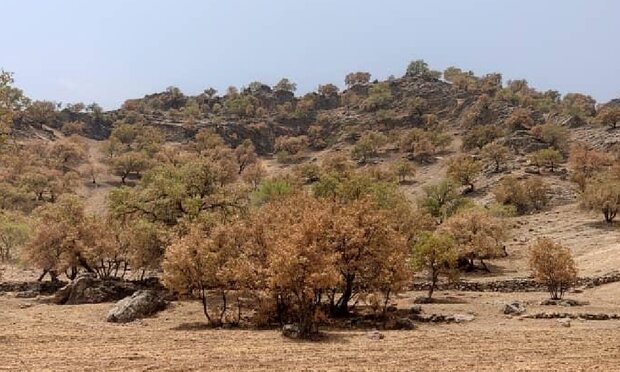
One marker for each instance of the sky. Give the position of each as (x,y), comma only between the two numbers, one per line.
(106,51)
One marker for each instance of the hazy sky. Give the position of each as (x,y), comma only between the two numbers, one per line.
(107,51)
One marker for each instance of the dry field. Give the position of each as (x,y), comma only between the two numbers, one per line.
(36,336)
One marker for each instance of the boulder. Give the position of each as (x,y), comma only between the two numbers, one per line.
(461,318)
(88,289)
(564,322)
(375,335)
(139,305)
(514,308)
(291,331)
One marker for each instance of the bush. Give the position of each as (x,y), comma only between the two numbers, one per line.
(442,200)
(464,169)
(555,135)
(478,235)
(524,195)
(603,195)
(549,158)
(495,154)
(368,145)
(553,265)
(585,163)
(479,136)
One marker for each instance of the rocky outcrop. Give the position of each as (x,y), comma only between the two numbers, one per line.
(139,305)
(88,289)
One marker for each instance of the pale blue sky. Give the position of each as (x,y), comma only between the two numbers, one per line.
(107,51)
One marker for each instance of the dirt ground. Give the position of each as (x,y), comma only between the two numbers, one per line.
(36,336)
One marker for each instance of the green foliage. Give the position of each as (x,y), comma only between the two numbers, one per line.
(437,254)
(273,189)
(603,194)
(579,104)
(524,195)
(555,135)
(464,169)
(548,157)
(285,85)
(379,96)
(442,200)
(479,136)
(368,145)
(357,78)
(14,233)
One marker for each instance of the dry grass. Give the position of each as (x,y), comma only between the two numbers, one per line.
(49,337)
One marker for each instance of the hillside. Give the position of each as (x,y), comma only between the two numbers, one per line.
(335,213)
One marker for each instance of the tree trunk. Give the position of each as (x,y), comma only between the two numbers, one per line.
(342,305)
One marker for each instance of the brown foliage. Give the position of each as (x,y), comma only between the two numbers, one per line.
(553,265)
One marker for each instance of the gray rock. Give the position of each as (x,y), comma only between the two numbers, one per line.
(375,335)
(291,331)
(27,294)
(139,305)
(514,308)
(564,322)
(461,318)
(88,289)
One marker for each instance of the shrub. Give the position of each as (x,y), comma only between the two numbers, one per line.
(477,234)
(464,169)
(585,163)
(548,157)
(442,200)
(271,190)
(609,116)
(524,195)
(553,265)
(403,169)
(368,145)
(555,135)
(604,195)
(479,136)
(436,253)
(379,96)
(495,154)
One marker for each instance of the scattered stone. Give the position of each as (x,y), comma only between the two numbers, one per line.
(415,309)
(514,308)
(27,294)
(375,335)
(584,316)
(564,322)
(139,305)
(564,302)
(460,318)
(25,305)
(291,331)
(441,318)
